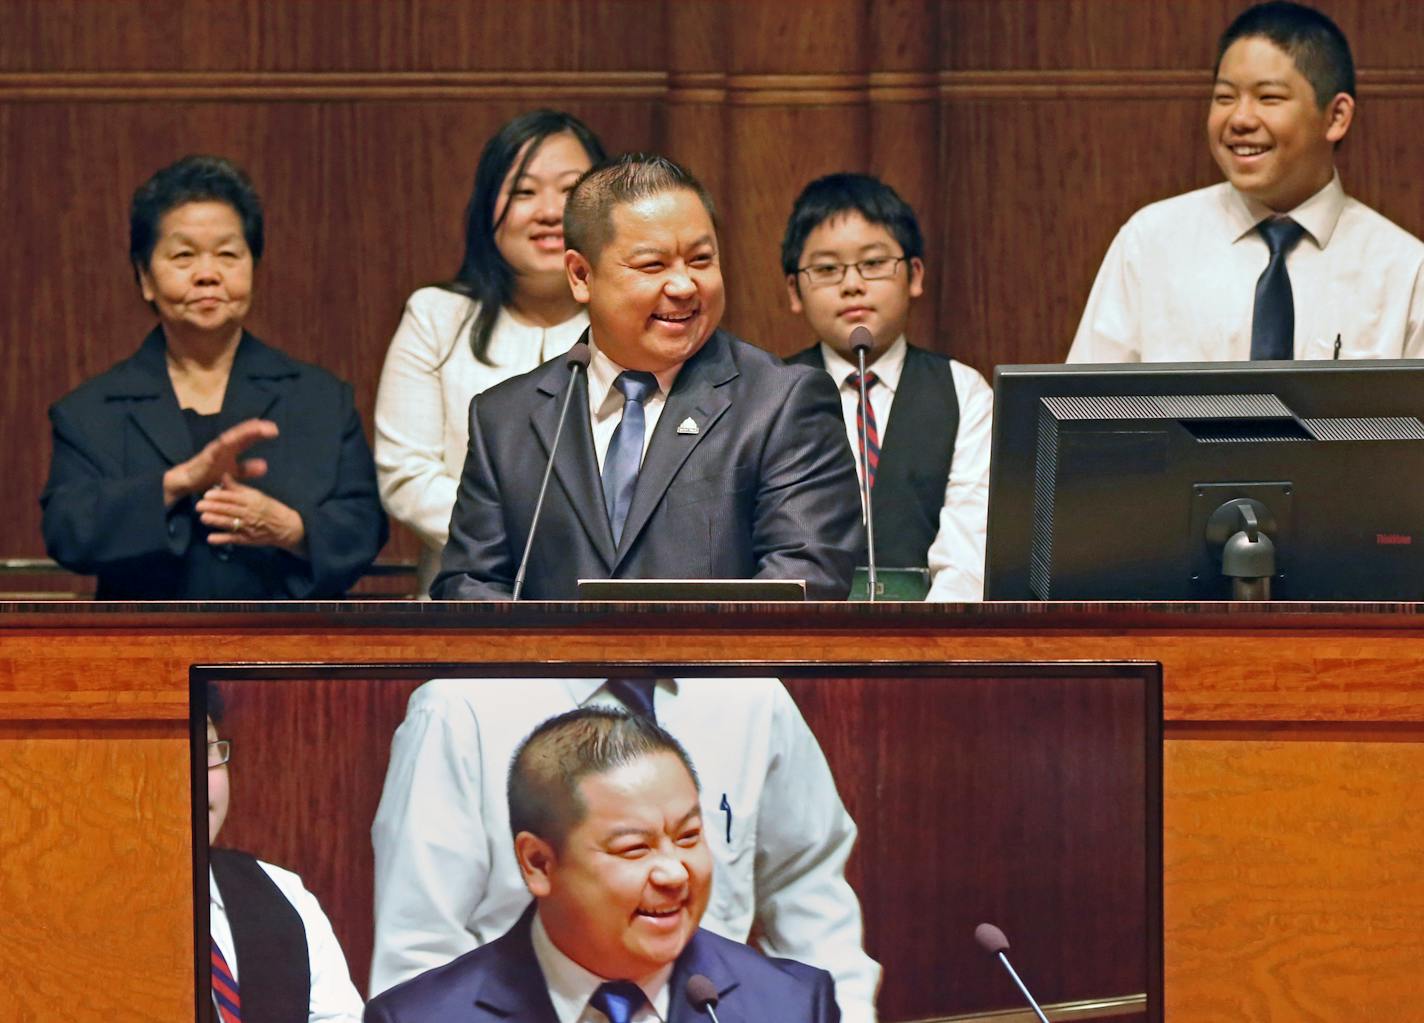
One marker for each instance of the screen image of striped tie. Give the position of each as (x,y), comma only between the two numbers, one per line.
(225,995)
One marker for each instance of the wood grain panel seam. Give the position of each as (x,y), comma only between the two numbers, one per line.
(1132,84)
(303,86)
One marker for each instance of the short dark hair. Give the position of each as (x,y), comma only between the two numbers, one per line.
(1315,44)
(544,776)
(217,706)
(836,195)
(588,213)
(192,179)
(485,276)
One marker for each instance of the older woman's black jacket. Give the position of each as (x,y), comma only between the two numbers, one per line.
(116,435)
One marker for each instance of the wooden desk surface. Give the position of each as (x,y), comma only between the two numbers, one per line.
(1294,866)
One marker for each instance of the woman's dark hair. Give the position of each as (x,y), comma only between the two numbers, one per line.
(192,179)
(484,276)
(217,706)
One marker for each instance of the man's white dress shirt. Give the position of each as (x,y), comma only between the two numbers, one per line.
(956,557)
(605,402)
(571,986)
(447,879)
(1178,283)
(423,405)
(334,999)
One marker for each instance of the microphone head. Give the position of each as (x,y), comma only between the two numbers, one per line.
(578,355)
(991,939)
(860,339)
(701,992)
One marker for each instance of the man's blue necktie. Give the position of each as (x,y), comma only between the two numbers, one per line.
(625,450)
(618,1000)
(1273,320)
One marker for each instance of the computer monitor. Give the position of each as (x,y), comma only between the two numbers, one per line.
(1130,482)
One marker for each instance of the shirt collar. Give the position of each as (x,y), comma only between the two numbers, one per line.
(1318,215)
(571,986)
(887,368)
(214,892)
(602,371)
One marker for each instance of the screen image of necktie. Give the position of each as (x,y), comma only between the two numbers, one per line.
(618,1000)
(225,989)
(1273,320)
(865,424)
(634,693)
(625,450)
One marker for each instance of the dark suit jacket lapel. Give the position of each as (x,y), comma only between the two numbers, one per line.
(145,387)
(694,396)
(514,987)
(259,377)
(575,463)
(809,357)
(701,957)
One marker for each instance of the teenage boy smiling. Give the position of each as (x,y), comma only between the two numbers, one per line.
(853,256)
(1276,262)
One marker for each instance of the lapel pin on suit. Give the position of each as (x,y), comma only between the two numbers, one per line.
(687,426)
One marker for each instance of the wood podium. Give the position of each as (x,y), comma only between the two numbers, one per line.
(1293,759)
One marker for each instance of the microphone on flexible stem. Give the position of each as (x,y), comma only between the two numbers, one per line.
(702,994)
(577,360)
(861,342)
(992,940)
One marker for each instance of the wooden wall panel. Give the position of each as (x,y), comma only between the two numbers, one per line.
(47,36)
(96,882)
(1281,846)
(1028,220)
(1024,131)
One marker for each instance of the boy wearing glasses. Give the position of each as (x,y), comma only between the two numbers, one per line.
(853,256)
(274,954)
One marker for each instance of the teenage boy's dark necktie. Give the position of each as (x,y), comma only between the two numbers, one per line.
(1273,321)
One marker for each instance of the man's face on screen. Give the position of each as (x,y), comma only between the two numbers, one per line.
(654,292)
(625,890)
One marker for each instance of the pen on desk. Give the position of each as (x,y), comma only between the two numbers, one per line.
(1337,348)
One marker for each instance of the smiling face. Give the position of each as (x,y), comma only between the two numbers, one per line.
(624,892)
(1266,130)
(654,293)
(200,275)
(530,236)
(834,310)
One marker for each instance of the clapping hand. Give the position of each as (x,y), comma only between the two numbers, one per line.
(246,517)
(207,468)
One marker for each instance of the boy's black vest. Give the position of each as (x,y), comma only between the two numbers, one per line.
(916,451)
(273,965)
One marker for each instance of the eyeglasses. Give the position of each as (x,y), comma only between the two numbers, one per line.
(219,752)
(877,268)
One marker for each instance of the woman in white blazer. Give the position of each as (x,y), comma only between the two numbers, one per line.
(507,310)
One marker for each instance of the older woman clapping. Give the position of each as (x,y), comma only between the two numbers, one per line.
(208,465)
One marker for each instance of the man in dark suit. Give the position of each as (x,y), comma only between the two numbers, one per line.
(687,452)
(608,833)
(853,256)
